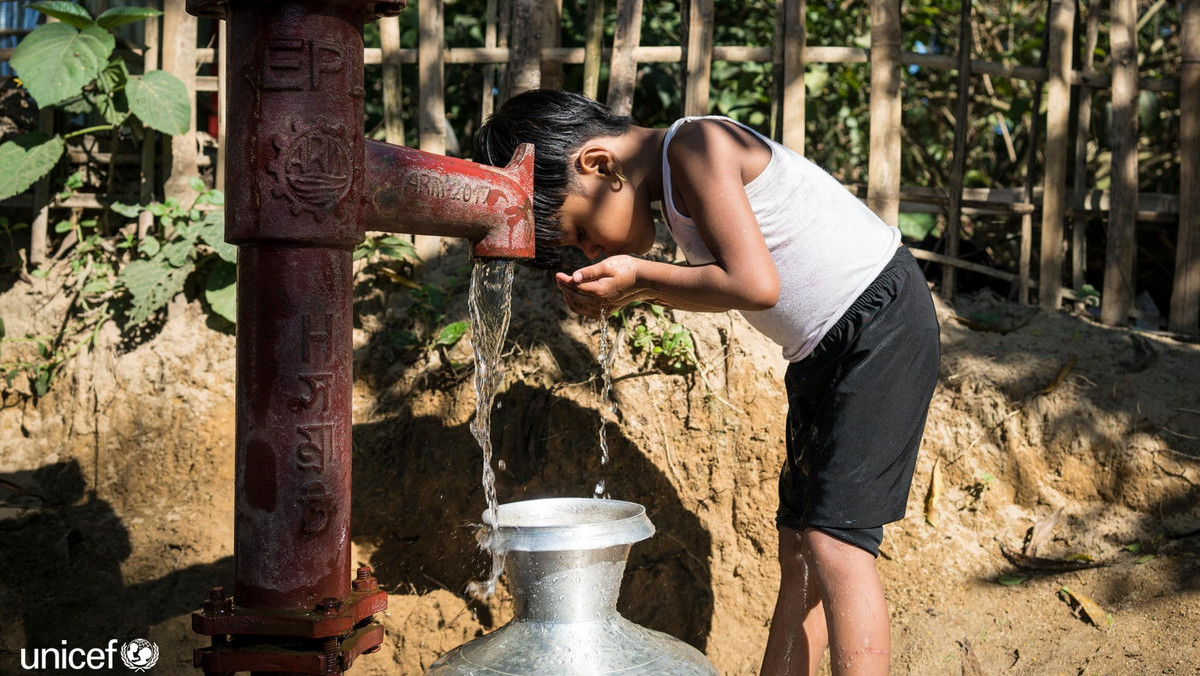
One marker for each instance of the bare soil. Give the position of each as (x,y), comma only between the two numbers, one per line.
(116,504)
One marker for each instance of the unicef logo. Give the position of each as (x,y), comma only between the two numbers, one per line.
(139,654)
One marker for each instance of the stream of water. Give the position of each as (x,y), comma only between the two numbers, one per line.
(490,303)
(607,352)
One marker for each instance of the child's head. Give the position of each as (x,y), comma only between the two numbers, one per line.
(558,124)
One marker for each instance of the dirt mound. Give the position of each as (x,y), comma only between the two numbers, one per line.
(116,493)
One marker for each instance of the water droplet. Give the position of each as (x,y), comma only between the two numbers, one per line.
(501,465)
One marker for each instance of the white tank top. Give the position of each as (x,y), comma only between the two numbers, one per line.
(826,244)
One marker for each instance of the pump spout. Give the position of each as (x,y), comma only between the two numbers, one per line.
(414,192)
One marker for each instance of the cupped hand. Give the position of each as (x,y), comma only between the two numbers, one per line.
(604,286)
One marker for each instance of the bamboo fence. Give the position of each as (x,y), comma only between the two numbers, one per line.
(522,51)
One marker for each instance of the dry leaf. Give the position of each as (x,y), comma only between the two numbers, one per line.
(1086,608)
(935,491)
(1062,375)
(1040,563)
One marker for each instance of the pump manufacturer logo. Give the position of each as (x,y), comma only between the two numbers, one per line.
(138,655)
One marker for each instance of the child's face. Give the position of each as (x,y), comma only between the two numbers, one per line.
(607,217)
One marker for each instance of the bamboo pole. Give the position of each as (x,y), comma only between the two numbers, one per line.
(431,85)
(525,70)
(393,91)
(222,104)
(1117,298)
(792,99)
(432,76)
(1035,118)
(551,37)
(179,59)
(622,73)
(1185,296)
(883,182)
(593,51)
(487,98)
(958,166)
(1083,121)
(1058,111)
(697,42)
(38,237)
(149,141)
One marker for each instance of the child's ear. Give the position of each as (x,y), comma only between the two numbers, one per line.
(596,159)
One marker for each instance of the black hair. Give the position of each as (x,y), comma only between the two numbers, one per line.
(557,123)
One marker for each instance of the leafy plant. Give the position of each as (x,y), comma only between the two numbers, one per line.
(167,260)
(126,279)
(71,64)
(664,344)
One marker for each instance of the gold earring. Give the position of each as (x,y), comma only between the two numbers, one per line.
(620,177)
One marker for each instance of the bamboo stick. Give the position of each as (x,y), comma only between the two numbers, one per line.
(1026,247)
(431,124)
(883,182)
(1185,296)
(525,70)
(622,73)
(487,98)
(1117,298)
(1058,110)
(1083,120)
(792,100)
(393,91)
(179,59)
(593,49)
(222,104)
(551,37)
(961,126)
(697,55)
(38,229)
(431,116)
(149,141)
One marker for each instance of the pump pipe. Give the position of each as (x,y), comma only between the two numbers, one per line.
(302,188)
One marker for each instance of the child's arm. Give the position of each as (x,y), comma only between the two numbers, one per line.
(710,164)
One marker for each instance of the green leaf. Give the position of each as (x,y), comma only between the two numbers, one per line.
(212,233)
(126,210)
(452,334)
(118,16)
(197,184)
(67,12)
(160,100)
(152,284)
(2,331)
(111,102)
(221,291)
(25,159)
(1012,580)
(916,227)
(179,252)
(56,61)
(1144,559)
(150,246)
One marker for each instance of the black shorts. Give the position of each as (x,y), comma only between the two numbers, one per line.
(856,411)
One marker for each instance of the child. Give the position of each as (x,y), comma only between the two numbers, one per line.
(770,234)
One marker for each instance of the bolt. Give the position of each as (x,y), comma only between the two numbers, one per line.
(329,607)
(216,601)
(365,580)
(330,651)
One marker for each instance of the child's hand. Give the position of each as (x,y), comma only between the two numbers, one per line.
(603,287)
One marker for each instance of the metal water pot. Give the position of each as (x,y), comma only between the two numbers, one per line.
(564,558)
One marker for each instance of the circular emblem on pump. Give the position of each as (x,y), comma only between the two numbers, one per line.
(313,167)
(139,654)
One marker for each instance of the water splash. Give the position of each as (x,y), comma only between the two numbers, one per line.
(490,303)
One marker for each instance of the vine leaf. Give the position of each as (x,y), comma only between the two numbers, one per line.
(160,101)
(67,12)
(56,60)
(152,283)
(221,291)
(25,159)
(119,16)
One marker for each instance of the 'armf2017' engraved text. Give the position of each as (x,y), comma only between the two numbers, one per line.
(440,186)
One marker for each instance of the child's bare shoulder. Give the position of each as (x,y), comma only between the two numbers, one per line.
(718,143)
